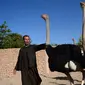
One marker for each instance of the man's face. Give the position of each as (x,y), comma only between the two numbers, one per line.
(26,40)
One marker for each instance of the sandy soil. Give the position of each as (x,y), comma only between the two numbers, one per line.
(8,59)
(54,78)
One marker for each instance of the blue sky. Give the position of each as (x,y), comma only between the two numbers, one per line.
(24,17)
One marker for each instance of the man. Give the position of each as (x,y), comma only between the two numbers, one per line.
(26,62)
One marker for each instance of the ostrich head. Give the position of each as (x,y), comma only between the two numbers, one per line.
(73,41)
(44,16)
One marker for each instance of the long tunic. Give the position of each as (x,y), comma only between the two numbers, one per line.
(26,63)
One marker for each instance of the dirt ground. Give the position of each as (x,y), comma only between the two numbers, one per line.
(57,78)
(8,59)
(53,78)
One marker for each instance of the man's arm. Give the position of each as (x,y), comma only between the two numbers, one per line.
(40,47)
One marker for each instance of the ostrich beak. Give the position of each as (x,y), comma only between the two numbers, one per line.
(44,16)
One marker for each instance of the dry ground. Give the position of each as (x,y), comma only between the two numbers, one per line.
(51,79)
(8,58)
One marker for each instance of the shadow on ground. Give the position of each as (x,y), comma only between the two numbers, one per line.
(61,84)
(78,84)
(64,78)
(54,83)
(59,78)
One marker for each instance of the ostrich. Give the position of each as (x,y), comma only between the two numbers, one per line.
(74,42)
(66,58)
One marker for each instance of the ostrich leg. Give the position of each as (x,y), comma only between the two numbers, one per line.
(83,78)
(70,78)
(46,18)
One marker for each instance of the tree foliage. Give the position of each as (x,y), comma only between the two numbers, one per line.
(9,39)
(80,42)
(4,30)
(13,40)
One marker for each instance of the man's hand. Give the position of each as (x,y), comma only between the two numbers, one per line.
(14,71)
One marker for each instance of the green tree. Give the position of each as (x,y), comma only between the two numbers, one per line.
(13,40)
(3,32)
(80,42)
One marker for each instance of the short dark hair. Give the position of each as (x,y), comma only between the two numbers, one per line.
(26,36)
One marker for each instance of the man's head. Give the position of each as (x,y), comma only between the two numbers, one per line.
(26,39)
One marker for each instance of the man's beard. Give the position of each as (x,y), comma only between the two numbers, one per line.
(26,44)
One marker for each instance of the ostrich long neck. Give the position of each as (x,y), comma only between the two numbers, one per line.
(47,31)
(74,42)
(83,28)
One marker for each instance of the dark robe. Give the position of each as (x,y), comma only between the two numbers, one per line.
(26,63)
